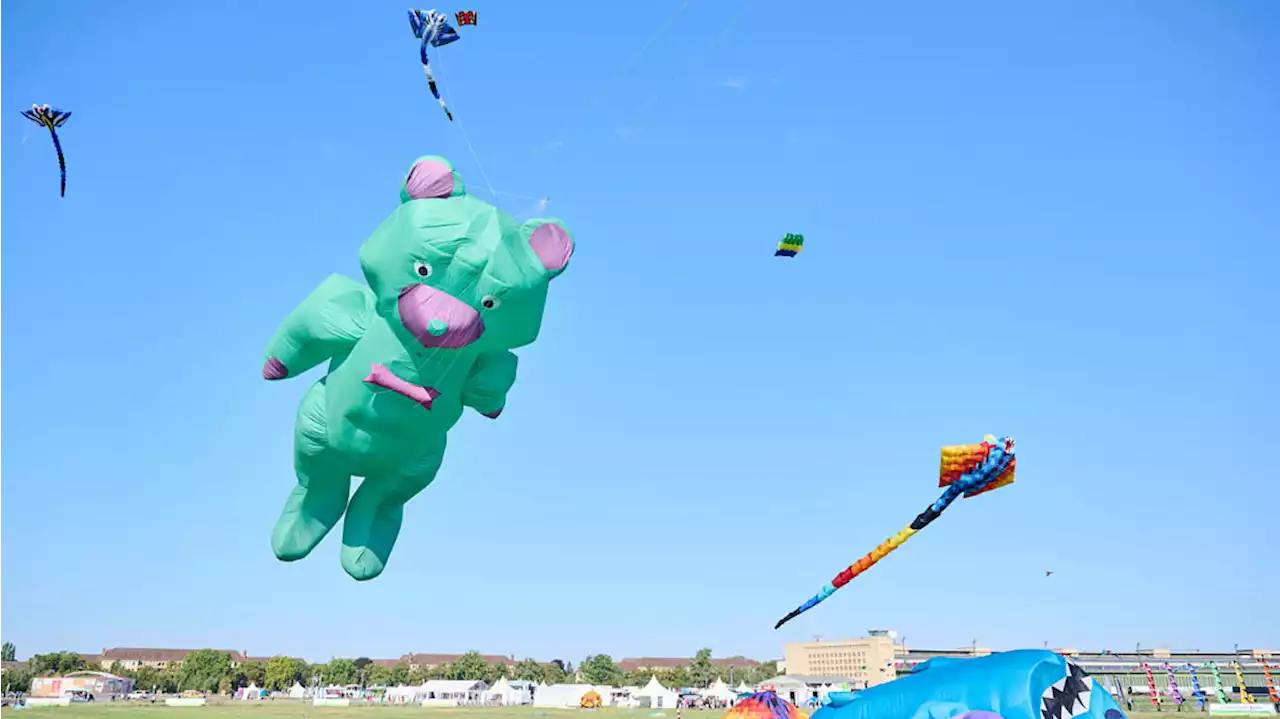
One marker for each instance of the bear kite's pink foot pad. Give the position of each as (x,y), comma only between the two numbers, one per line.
(494,414)
(274,369)
(380,376)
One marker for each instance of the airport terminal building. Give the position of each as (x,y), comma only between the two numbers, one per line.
(879,657)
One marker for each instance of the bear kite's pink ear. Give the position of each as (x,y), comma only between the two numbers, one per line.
(431,177)
(551,242)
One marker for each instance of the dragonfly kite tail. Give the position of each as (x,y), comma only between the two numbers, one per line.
(51,119)
(967,470)
(62,160)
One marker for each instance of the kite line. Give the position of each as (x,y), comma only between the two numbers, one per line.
(662,28)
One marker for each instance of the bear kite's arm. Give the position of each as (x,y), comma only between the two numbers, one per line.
(491,378)
(327,324)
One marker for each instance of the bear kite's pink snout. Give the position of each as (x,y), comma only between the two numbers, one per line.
(438,319)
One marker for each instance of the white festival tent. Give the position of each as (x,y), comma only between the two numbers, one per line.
(627,697)
(297,691)
(743,688)
(657,696)
(404,694)
(561,695)
(445,692)
(521,692)
(499,692)
(509,693)
(614,696)
(719,690)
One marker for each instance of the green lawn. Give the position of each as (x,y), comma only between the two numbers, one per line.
(285,709)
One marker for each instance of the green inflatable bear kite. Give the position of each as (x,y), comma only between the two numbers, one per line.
(454,285)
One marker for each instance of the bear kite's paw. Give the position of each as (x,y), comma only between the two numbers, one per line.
(274,369)
(380,376)
(494,414)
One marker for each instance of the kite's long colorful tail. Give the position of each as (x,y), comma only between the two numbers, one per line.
(967,470)
(62,162)
(1195,686)
(1151,687)
(1217,684)
(1120,692)
(1173,686)
(1271,685)
(1245,696)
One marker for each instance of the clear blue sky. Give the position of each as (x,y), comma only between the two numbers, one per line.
(1054,220)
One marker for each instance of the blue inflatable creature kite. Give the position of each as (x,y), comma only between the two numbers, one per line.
(1022,684)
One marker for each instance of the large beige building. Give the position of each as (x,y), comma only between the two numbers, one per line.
(869,659)
(134,658)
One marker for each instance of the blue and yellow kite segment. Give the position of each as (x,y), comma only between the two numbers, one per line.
(790,246)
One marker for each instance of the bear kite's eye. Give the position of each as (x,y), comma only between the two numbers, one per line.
(489,302)
(422,269)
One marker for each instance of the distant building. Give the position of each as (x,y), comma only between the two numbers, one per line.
(635,664)
(429,661)
(264,660)
(134,658)
(869,660)
(1124,668)
(98,684)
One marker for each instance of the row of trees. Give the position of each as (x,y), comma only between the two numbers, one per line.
(210,670)
(700,672)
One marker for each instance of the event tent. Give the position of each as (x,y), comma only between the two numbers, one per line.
(452,691)
(657,696)
(719,690)
(500,692)
(509,693)
(561,695)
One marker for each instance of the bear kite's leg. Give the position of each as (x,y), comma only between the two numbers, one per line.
(373,518)
(324,484)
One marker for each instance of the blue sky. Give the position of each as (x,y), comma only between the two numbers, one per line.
(1052,220)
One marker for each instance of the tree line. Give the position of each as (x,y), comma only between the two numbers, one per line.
(209,670)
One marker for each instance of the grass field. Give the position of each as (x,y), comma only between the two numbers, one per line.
(303,710)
